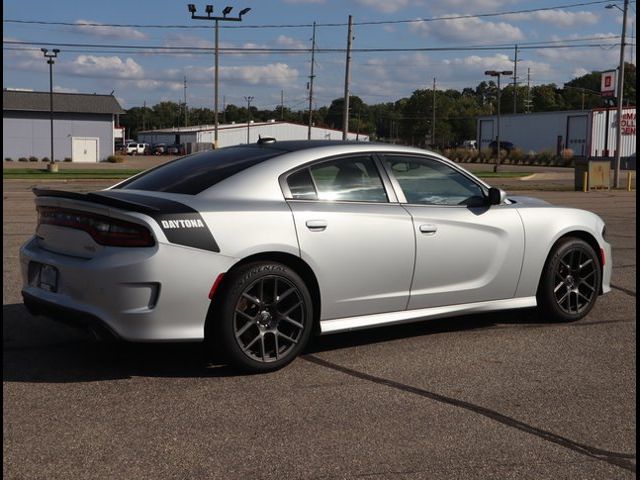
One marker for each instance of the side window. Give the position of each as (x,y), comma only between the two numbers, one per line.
(301,186)
(430,182)
(354,179)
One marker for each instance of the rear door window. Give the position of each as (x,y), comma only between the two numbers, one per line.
(352,179)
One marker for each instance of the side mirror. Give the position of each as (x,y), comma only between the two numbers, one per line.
(496,196)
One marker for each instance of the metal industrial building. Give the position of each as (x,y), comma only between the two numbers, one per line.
(84,126)
(202,136)
(583,131)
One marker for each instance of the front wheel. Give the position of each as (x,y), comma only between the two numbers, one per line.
(265,316)
(570,282)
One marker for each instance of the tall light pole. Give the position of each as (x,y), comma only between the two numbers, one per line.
(495,73)
(616,174)
(249,100)
(225,12)
(345,107)
(50,56)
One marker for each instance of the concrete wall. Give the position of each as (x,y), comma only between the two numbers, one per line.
(27,133)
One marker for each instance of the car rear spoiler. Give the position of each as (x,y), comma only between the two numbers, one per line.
(180,223)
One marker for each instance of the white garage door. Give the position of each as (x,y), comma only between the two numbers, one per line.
(84,149)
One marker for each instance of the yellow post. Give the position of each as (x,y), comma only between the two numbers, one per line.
(585,181)
(629,177)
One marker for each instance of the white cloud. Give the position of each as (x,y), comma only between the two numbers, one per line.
(468,30)
(59,89)
(271,74)
(560,18)
(105,31)
(290,42)
(384,6)
(472,5)
(579,72)
(105,67)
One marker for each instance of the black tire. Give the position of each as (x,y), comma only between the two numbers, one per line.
(570,281)
(264,317)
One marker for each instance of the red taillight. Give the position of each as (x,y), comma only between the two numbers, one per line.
(602,256)
(104,230)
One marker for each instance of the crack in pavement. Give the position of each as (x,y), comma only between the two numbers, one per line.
(624,290)
(622,460)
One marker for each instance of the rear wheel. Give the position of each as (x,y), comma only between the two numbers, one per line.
(265,316)
(570,282)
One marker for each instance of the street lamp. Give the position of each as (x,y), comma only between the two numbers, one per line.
(249,100)
(495,73)
(225,17)
(616,174)
(50,56)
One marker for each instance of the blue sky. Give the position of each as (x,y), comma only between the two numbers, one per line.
(138,76)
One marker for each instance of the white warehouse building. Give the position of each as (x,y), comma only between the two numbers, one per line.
(201,137)
(589,133)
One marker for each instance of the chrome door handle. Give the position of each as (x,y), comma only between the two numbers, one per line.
(428,228)
(316,225)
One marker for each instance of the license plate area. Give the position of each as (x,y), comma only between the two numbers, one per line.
(43,276)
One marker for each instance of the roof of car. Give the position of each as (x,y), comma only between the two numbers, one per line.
(295,145)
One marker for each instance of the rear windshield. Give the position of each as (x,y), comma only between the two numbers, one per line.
(197,172)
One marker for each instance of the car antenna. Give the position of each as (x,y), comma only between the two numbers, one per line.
(262,140)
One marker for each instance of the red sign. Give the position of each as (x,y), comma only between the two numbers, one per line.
(628,124)
(608,84)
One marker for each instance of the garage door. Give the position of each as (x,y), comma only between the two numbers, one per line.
(84,149)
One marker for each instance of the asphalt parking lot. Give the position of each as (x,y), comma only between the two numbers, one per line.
(502,396)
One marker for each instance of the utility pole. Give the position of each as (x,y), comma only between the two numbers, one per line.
(186,121)
(52,167)
(225,12)
(345,114)
(498,74)
(282,105)
(620,99)
(249,100)
(311,77)
(224,109)
(144,114)
(433,115)
(515,81)
(527,106)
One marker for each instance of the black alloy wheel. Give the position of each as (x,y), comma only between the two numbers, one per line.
(266,316)
(571,281)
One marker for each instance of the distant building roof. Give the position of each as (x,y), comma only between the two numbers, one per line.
(62,102)
(221,126)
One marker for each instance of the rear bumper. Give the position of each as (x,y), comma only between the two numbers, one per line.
(69,316)
(141,295)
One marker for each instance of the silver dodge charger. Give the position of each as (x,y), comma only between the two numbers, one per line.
(256,247)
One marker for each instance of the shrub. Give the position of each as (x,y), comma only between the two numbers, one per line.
(516,156)
(67,159)
(566,153)
(545,157)
(45,159)
(33,159)
(8,159)
(23,159)
(115,159)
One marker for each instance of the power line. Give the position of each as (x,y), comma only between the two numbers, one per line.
(308,25)
(263,50)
